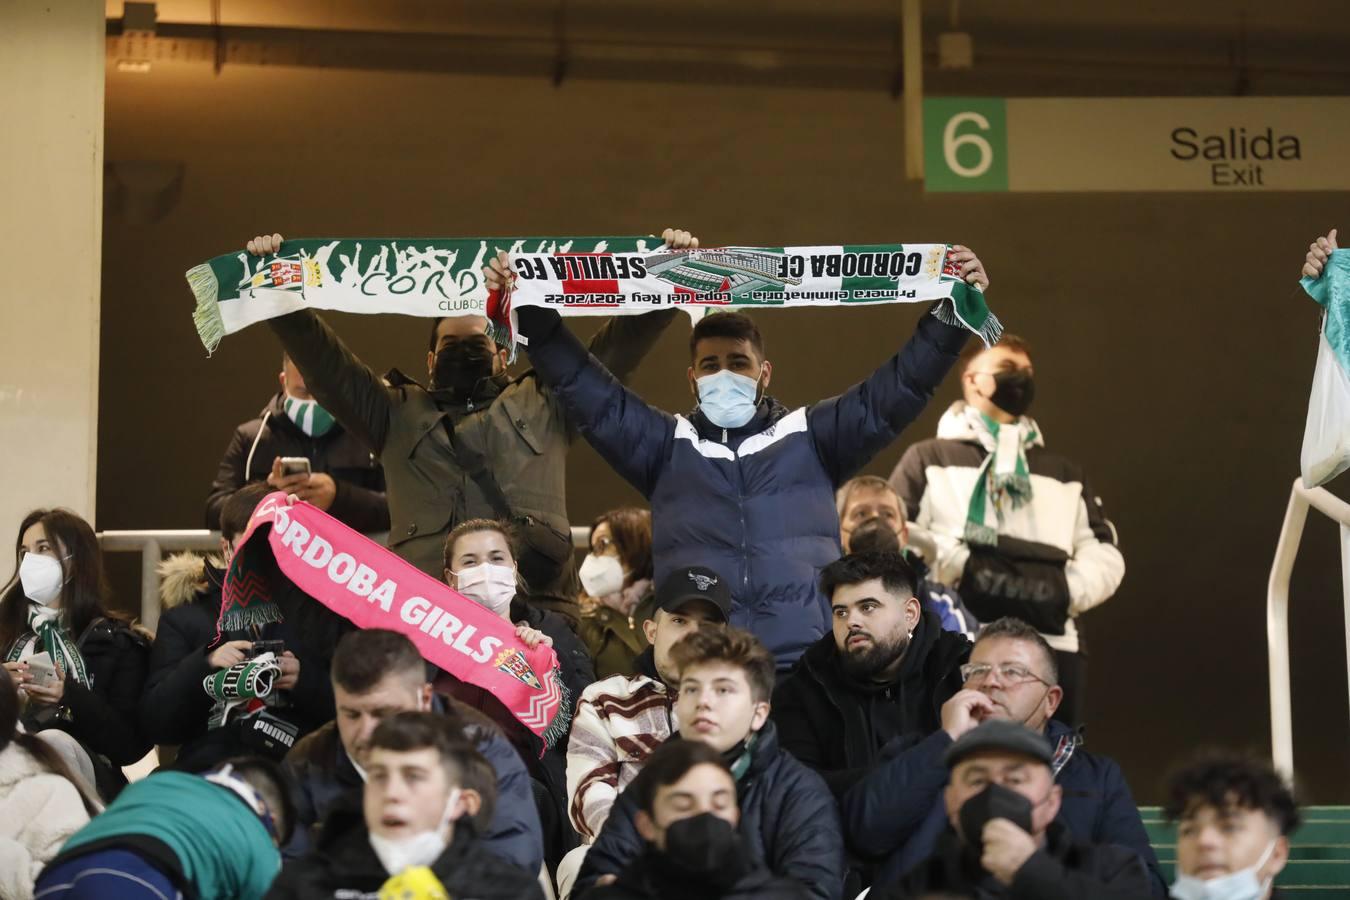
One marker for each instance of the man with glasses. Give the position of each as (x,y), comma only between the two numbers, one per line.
(1011,676)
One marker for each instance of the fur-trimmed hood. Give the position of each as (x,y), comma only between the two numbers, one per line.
(183,576)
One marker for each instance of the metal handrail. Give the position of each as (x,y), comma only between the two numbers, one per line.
(153,544)
(1277,609)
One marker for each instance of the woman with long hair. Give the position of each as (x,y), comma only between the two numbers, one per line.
(53,615)
(480,563)
(616,579)
(41,803)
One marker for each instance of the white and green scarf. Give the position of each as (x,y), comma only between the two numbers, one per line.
(44,623)
(1003,481)
(578,276)
(308,416)
(247,684)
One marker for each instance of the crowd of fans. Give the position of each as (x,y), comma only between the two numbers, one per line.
(785,680)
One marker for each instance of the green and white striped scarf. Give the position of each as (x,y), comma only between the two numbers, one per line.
(242,683)
(45,623)
(309,416)
(1003,481)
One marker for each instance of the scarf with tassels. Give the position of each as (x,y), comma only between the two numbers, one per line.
(44,623)
(577,276)
(1004,481)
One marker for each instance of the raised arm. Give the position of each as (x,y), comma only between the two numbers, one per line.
(851,428)
(624,340)
(344,385)
(856,425)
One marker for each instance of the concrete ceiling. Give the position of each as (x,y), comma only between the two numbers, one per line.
(1040,47)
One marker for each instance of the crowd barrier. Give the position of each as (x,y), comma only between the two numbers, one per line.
(152,545)
(1277,609)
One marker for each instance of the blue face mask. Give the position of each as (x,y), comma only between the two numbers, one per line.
(727,399)
(1241,885)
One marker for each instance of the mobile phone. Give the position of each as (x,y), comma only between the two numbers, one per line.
(276,648)
(41,668)
(294,465)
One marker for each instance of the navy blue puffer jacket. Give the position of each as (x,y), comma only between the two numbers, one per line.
(755,503)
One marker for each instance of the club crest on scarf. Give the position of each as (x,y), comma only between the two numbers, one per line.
(576,276)
(513,663)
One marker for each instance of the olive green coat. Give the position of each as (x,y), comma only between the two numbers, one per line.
(516,425)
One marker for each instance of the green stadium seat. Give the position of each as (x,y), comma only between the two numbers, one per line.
(1319,856)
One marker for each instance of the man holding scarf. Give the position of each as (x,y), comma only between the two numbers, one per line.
(1017,529)
(742,484)
(475,442)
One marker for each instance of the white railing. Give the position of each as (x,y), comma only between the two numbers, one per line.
(1277,609)
(152,545)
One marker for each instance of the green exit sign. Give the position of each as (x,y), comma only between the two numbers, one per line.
(965,144)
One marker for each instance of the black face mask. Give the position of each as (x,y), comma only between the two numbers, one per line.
(994,802)
(707,849)
(461,366)
(1013,392)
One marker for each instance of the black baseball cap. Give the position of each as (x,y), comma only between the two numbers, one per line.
(694,583)
(999,734)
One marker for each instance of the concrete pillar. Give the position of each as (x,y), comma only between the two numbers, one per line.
(51,227)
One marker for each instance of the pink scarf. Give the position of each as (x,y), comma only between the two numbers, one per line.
(373,588)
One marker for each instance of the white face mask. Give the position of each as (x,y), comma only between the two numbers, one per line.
(1240,885)
(601,575)
(422,849)
(492,587)
(42,578)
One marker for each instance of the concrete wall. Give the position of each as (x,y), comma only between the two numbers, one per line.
(51,197)
(1173,350)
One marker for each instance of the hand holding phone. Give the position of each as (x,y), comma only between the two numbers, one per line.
(42,669)
(276,648)
(292,466)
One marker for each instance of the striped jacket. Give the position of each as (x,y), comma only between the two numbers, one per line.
(618,723)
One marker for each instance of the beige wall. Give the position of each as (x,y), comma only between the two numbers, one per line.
(51,177)
(1173,351)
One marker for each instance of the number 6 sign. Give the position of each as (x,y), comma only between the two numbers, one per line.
(965,144)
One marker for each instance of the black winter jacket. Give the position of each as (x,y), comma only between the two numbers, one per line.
(344,866)
(102,716)
(360,501)
(175,706)
(789,821)
(1062,870)
(836,724)
(651,877)
(1097,805)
